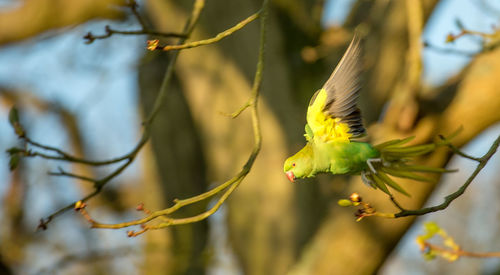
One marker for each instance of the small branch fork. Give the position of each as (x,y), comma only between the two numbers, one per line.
(493,37)
(460,253)
(145,30)
(490,40)
(128,158)
(367,210)
(225,188)
(452,37)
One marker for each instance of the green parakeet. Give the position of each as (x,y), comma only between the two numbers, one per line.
(333,125)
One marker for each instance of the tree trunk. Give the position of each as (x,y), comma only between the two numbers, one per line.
(180,161)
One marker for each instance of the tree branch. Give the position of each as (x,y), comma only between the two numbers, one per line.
(366,210)
(153,44)
(145,30)
(65,156)
(461,252)
(89,37)
(448,199)
(449,249)
(63,173)
(230,185)
(99,184)
(435,48)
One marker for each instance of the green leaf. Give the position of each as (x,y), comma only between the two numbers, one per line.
(459,24)
(14,150)
(13,162)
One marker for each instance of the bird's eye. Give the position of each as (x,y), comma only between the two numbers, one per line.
(293,164)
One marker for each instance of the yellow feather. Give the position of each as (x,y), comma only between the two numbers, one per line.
(323,126)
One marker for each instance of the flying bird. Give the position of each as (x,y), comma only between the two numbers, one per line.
(334,126)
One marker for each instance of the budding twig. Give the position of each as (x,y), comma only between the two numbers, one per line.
(129,158)
(227,188)
(154,44)
(449,250)
(145,30)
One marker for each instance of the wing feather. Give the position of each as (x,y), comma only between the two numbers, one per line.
(342,89)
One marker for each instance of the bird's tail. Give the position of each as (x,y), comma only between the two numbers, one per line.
(396,161)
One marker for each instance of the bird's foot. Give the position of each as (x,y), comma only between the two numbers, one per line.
(366,180)
(370,164)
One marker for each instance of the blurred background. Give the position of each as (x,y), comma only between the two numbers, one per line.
(90,99)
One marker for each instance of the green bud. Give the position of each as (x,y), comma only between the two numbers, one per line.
(13,116)
(345,203)
(429,256)
(431,228)
(14,121)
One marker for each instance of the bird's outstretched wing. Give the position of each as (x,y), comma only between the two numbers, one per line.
(332,112)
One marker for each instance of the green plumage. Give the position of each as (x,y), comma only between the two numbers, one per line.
(333,124)
(330,157)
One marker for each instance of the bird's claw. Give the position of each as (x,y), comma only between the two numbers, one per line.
(370,165)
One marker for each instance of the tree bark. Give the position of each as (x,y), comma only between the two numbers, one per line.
(177,149)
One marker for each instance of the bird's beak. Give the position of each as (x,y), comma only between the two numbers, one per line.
(290,176)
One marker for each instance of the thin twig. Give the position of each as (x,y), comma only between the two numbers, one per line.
(134,7)
(231,184)
(63,173)
(99,184)
(458,151)
(110,32)
(396,203)
(448,199)
(236,113)
(453,37)
(435,48)
(64,156)
(461,252)
(217,38)
(145,30)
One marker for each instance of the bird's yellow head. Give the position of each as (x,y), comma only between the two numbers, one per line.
(299,165)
